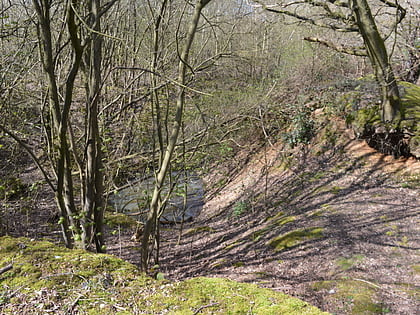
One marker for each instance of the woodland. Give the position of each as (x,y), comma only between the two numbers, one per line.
(209,157)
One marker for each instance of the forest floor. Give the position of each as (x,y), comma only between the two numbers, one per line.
(362,207)
(337,227)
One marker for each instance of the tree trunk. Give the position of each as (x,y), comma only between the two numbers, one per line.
(152,218)
(375,46)
(92,223)
(82,224)
(59,116)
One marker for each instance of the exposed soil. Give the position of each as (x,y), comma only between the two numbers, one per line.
(366,205)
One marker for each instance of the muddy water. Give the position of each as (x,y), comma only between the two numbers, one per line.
(135,199)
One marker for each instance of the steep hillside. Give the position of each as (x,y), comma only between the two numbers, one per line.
(334,223)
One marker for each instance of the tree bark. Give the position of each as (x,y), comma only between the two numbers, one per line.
(378,56)
(93,185)
(59,116)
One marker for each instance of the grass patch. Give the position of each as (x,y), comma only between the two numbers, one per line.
(229,297)
(411,182)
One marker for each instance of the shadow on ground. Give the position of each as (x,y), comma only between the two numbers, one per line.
(309,230)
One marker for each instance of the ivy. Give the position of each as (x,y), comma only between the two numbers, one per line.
(302,128)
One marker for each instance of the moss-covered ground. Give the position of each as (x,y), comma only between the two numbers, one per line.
(46,278)
(356,296)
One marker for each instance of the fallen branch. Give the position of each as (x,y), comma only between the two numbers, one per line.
(4,269)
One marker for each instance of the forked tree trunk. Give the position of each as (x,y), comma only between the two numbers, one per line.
(80,225)
(59,117)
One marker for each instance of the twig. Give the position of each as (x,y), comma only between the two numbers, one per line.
(205,306)
(73,305)
(4,269)
(368,282)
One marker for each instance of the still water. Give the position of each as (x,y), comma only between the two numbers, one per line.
(134,199)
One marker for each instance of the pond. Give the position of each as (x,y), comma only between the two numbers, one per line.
(134,199)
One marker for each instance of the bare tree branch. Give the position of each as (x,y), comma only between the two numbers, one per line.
(351,27)
(31,153)
(340,48)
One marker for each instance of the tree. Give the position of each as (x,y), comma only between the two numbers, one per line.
(152,222)
(354,16)
(93,206)
(81,38)
(379,58)
(409,43)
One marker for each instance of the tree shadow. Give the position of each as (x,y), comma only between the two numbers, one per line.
(362,209)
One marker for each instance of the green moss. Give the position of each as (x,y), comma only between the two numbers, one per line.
(411,105)
(45,277)
(119,219)
(233,244)
(316,213)
(348,263)
(281,219)
(361,296)
(228,297)
(416,269)
(284,220)
(394,230)
(294,238)
(336,190)
(327,189)
(358,297)
(278,215)
(42,266)
(199,229)
(238,264)
(258,234)
(329,208)
(364,117)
